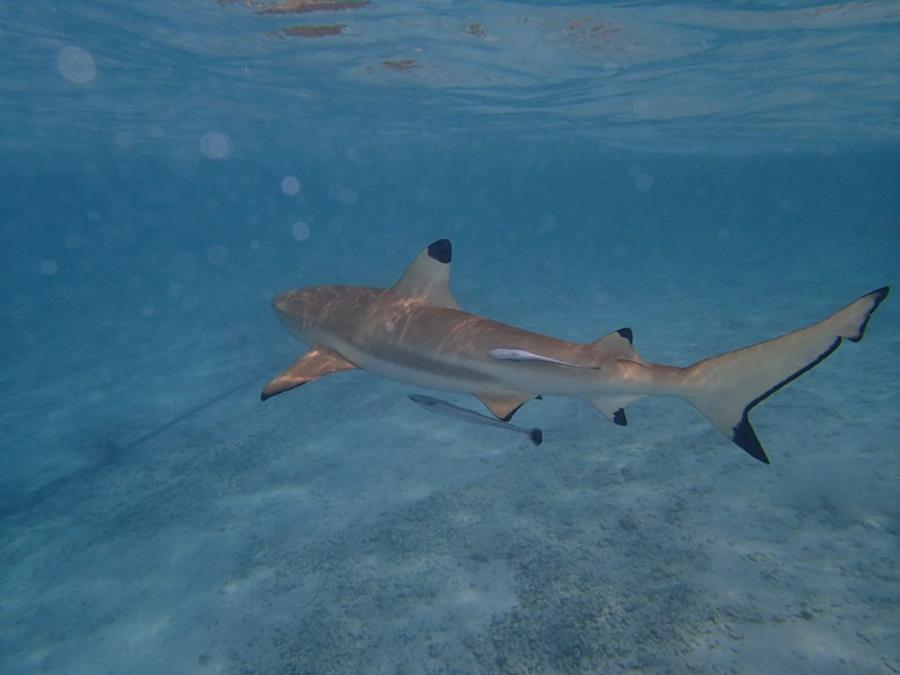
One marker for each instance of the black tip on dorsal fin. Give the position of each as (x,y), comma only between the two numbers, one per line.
(619,417)
(627,334)
(746,438)
(441,250)
(537,436)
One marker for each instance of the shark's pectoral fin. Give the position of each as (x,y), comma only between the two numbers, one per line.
(613,407)
(428,276)
(504,406)
(316,363)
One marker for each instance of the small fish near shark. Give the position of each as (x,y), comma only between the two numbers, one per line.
(440,407)
(416,333)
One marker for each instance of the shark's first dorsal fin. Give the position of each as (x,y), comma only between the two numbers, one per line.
(429,276)
(615,345)
(315,363)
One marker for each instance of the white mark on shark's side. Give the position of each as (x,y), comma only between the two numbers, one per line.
(523,355)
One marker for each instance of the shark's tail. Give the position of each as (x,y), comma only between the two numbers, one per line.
(726,387)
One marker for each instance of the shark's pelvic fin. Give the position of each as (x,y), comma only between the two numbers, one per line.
(505,406)
(613,407)
(725,388)
(316,363)
(428,276)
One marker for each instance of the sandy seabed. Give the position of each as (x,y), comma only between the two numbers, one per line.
(340,528)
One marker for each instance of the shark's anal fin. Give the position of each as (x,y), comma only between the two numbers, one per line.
(613,407)
(316,363)
(428,276)
(504,406)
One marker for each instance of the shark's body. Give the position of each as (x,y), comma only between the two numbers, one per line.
(415,333)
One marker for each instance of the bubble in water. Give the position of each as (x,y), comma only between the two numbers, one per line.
(290,185)
(347,196)
(124,140)
(217,254)
(643,182)
(49,267)
(548,223)
(76,65)
(300,230)
(215,145)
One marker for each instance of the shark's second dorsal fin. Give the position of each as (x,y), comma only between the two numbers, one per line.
(615,345)
(428,276)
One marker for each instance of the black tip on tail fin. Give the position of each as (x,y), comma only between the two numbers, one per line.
(619,417)
(878,296)
(537,436)
(745,437)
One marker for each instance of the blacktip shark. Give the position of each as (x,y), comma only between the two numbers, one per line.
(416,333)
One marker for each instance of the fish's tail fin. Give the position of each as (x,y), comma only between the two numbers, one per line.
(536,436)
(726,387)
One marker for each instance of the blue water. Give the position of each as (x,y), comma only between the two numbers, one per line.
(710,176)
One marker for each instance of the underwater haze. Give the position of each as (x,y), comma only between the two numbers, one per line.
(710,175)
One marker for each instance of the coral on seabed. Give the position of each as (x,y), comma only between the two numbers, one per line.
(310,31)
(399,64)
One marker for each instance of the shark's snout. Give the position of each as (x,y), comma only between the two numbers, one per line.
(283,301)
(291,307)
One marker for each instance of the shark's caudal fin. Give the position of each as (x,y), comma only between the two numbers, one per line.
(726,387)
